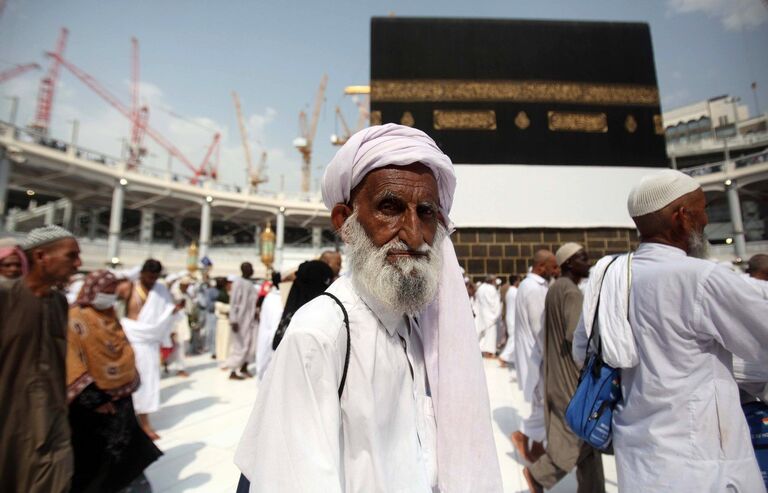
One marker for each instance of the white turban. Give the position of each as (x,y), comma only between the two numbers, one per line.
(466,453)
(386,145)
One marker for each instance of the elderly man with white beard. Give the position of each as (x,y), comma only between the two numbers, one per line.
(401,403)
(672,322)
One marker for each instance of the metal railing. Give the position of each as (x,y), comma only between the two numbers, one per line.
(740,162)
(29,136)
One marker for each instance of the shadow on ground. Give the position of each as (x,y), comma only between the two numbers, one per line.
(168,416)
(166,473)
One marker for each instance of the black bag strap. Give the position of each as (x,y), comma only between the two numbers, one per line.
(349,341)
(596,319)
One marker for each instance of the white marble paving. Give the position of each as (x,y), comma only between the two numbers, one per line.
(202,417)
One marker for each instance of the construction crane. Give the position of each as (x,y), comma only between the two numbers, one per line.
(48,86)
(139,115)
(360,97)
(340,140)
(307,134)
(254,176)
(12,72)
(204,169)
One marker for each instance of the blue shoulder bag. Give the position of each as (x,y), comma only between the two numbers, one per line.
(590,412)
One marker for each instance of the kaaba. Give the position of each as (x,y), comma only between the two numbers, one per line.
(521,91)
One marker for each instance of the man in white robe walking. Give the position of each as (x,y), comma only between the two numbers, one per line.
(413,413)
(507,356)
(149,317)
(529,334)
(244,324)
(487,316)
(672,323)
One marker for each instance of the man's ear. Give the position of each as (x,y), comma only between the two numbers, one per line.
(339,214)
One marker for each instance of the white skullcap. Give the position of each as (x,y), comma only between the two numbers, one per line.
(656,191)
(386,145)
(567,251)
(42,236)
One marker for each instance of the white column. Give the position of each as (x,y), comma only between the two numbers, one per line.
(147,226)
(279,238)
(50,214)
(5,174)
(734,207)
(116,221)
(205,227)
(317,237)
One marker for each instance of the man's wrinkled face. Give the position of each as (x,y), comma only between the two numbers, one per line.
(393,232)
(58,261)
(399,202)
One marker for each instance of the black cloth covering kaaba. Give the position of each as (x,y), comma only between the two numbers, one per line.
(521,91)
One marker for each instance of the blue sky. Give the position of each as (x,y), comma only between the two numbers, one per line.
(193,53)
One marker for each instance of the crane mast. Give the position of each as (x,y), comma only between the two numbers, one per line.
(307,132)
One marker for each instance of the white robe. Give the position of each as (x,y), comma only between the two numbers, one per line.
(529,324)
(487,316)
(271,311)
(379,437)
(508,354)
(680,426)
(529,341)
(154,323)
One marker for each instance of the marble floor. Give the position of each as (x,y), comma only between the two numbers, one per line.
(202,417)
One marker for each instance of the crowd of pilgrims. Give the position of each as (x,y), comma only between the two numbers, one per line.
(126,327)
(122,329)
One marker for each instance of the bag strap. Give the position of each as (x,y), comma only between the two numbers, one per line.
(596,319)
(349,341)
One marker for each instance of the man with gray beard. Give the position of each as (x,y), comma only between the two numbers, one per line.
(395,399)
(672,323)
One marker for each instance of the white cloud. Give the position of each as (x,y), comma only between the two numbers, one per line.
(734,14)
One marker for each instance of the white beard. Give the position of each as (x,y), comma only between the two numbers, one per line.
(408,284)
(698,245)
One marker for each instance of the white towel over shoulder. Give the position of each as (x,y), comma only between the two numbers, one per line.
(619,349)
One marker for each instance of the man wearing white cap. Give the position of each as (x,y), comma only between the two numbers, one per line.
(562,310)
(35,455)
(413,413)
(672,322)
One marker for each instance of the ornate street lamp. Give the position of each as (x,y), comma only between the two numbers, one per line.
(192,257)
(268,247)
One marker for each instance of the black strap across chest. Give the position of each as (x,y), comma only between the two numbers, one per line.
(349,341)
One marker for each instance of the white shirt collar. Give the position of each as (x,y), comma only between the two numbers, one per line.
(661,248)
(537,278)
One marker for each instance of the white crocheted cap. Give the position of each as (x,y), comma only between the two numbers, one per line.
(656,191)
(567,251)
(42,236)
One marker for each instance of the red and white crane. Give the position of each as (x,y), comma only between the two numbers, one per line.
(12,72)
(204,169)
(139,115)
(47,87)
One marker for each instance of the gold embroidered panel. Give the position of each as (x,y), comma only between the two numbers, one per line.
(513,91)
(562,121)
(464,120)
